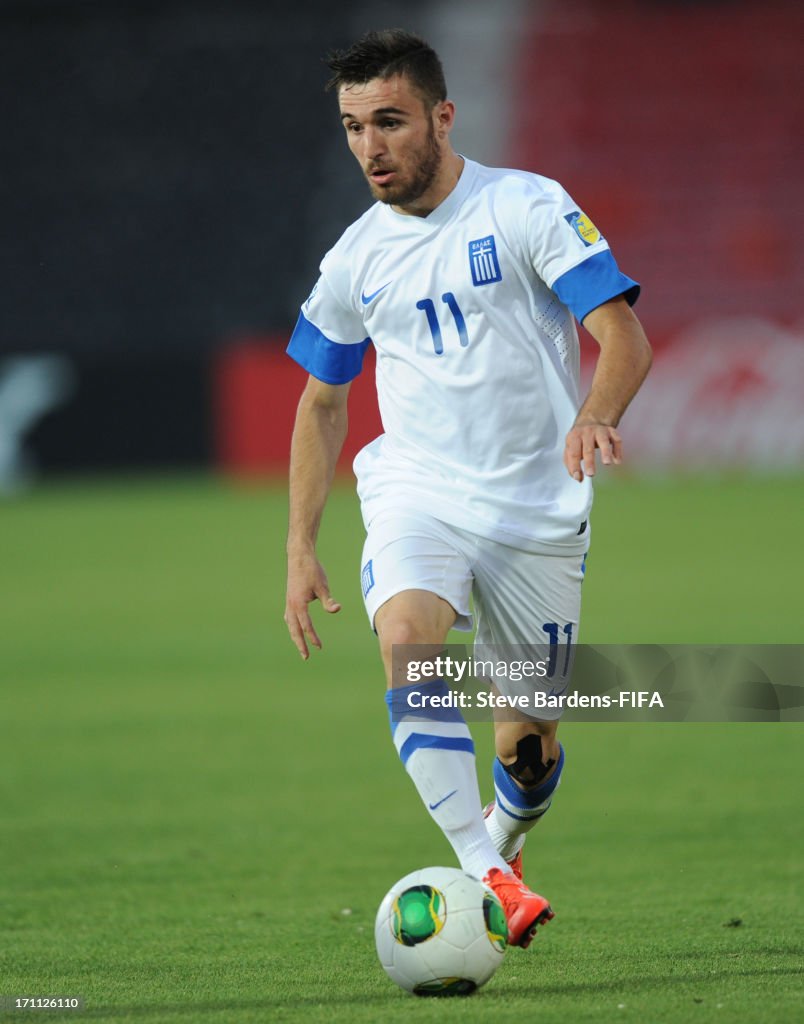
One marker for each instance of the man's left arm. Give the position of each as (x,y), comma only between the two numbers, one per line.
(624,360)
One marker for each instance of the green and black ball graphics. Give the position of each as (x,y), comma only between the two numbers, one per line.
(446,987)
(496,925)
(419,914)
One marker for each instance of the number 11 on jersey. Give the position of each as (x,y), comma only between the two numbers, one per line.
(433,322)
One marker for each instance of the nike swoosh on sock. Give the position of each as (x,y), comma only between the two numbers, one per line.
(442,800)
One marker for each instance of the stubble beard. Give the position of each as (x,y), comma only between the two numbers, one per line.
(427,167)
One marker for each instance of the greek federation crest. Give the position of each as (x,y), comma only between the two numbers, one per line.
(483,261)
(367,576)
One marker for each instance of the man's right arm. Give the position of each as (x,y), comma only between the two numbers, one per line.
(318,436)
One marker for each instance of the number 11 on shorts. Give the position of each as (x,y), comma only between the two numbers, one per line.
(551,629)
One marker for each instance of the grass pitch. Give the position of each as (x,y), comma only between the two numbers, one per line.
(196,826)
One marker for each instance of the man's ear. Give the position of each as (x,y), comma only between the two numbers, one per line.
(444,118)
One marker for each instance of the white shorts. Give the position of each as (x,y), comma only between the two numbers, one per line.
(520,597)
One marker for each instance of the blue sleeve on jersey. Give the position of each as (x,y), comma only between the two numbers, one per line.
(594,282)
(329,361)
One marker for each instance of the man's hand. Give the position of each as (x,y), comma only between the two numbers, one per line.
(307,582)
(624,360)
(321,424)
(582,440)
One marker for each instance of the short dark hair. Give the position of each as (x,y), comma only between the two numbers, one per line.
(386,53)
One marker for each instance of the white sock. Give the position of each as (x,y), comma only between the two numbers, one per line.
(447,783)
(438,753)
(507,844)
(516,811)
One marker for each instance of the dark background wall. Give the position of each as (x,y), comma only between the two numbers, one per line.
(156,161)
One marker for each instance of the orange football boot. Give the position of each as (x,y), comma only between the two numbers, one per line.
(524,910)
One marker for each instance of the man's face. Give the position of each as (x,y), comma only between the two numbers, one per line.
(392,135)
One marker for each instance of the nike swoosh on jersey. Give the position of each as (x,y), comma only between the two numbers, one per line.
(366,299)
(442,800)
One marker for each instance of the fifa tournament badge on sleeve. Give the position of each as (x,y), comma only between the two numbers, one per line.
(583,227)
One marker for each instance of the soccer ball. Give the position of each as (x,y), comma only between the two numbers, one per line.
(440,932)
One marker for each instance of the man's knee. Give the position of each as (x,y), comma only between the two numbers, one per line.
(413,618)
(399,631)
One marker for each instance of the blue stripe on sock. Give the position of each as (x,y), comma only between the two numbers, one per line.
(524,798)
(417,740)
(522,817)
(399,708)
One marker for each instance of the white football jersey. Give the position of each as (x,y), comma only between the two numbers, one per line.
(470,312)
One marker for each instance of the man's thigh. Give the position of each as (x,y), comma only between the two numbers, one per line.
(527,598)
(528,610)
(412,551)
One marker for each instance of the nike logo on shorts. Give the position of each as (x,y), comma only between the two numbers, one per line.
(366,299)
(442,800)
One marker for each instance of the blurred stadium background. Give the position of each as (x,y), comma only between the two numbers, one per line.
(172,175)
